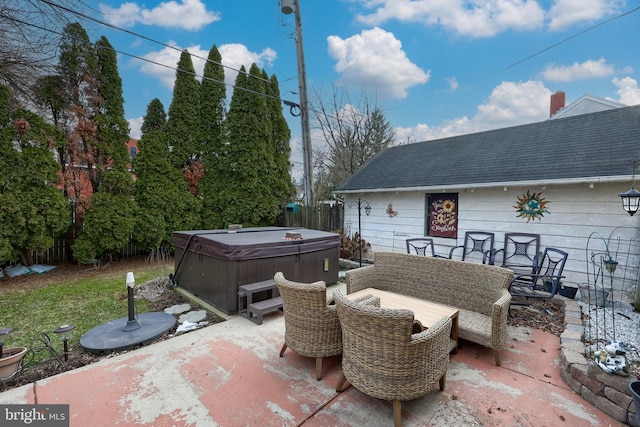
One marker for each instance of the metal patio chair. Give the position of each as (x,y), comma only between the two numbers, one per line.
(544,282)
(478,246)
(421,246)
(520,253)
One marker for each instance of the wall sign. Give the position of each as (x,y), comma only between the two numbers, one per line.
(531,206)
(442,219)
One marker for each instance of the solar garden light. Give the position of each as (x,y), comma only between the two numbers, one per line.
(132,322)
(610,264)
(65,332)
(4,334)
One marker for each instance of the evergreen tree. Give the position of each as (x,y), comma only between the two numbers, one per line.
(110,219)
(212,102)
(78,70)
(155,119)
(109,223)
(247,197)
(49,93)
(113,128)
(282,186)
(164,202)
(184,126)
(32,209)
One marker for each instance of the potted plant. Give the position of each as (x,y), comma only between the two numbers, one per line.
(10,358)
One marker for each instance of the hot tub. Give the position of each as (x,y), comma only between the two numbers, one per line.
(211,264)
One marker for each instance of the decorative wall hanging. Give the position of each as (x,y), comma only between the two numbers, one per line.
(390,211)
(442,211)
(531,206)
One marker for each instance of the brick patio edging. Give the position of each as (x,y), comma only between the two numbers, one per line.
(609,393)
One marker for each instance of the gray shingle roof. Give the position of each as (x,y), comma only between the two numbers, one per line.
(601,144)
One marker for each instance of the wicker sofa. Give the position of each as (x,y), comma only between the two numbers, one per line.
(480,292)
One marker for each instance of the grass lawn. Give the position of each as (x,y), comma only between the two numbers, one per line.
(86,302)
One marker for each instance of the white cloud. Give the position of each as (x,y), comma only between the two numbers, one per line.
(480,18)
(190,15)
(233,55)
(585,70)
(628,90)
(374,59)
(135,127)
(510,104)
(453,83)
(168,59)
(565,13)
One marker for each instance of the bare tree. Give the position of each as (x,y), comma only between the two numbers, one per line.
(30,36)
(353,133)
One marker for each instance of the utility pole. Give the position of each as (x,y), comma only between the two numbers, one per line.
(289,6)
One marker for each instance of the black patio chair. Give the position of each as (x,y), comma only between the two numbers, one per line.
(478,245)
(544,282)
(421,246)
(520,253)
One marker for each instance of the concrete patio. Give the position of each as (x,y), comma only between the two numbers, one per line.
(229,374)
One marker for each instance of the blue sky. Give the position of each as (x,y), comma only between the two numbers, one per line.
(437,68)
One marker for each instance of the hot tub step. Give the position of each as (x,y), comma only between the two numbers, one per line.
(262,307)
(246,293)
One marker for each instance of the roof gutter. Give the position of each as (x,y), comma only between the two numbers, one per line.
(532,183)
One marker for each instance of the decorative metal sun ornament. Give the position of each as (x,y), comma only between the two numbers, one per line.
(531,206)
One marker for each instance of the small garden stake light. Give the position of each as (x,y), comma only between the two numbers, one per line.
(631,198)
(65,332)
(4,334)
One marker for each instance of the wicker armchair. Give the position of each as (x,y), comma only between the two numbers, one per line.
(312,328)
(384,359)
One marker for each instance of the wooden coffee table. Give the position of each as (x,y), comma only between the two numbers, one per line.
(427,312)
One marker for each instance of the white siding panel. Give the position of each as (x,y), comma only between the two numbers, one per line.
(575,213)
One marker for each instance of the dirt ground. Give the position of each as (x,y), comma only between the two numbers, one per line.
(543,315)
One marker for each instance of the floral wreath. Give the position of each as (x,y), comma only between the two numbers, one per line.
(531,206)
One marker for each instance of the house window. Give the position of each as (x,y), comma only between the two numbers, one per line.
(132,152)
(441,215)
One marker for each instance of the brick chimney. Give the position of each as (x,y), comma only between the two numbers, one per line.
(557,102)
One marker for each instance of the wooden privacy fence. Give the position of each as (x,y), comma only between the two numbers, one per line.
(59,252)
(323,217)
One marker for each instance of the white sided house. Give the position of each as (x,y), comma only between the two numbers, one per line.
(570,169)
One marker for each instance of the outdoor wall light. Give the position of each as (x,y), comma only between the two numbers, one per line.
(65,332)
(631,198)
(4,334)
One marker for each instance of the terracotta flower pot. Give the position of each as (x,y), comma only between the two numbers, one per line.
(10,362)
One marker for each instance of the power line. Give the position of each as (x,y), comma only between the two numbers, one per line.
(292,105)
(558,43)
(115,27)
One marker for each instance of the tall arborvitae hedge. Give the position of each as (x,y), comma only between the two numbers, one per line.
(247,197)
(212,104)
(164,202)
(184,130)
